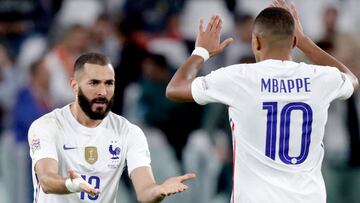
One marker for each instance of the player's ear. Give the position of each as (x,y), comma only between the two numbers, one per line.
(294,42)
(257,43)
(74,85)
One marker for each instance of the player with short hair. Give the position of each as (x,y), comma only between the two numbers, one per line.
(80,151)
(277,107)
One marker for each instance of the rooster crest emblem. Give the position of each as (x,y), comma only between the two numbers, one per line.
(114,152)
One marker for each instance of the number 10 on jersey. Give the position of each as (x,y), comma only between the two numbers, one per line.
(91,180)
(284,141)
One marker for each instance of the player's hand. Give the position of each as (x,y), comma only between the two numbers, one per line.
(84,186)
(210,37)
(299,33)
(174,185)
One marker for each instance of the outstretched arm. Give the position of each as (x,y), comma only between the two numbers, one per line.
(47,172)
(147,191)
(179,88)
(310,49)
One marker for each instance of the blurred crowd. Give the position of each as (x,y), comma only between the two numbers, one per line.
(147,40)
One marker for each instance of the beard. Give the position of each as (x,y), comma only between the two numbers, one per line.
(86,105)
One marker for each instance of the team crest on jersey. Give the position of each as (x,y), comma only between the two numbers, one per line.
(114,151)
(91,155)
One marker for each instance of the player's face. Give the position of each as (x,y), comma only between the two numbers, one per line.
(96,90)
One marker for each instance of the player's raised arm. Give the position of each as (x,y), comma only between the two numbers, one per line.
(47,173)
(150,192)
(310,49)
(207,45)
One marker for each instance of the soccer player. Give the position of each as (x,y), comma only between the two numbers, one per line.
(277,108)
(80,151)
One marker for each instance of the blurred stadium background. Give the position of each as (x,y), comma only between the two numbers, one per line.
(146,41)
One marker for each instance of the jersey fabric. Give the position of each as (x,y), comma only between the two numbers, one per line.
(277,112)
(98,154)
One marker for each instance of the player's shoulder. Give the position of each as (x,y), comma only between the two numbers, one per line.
(244,68)
(46,121)
(122,124)
(320,69)
(118,120)
(47,118)
(240,67)
(236,70)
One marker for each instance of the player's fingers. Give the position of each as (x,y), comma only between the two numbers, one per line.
(276,3)
(162,191)
(183,187)
(177,188)
(187,176)
(85,187)
(93,192)
(210,24)
(272,4)
(89,189)
(294,11)
(201,25)
(282,4)
(217,23)
(226,43)
(218,28)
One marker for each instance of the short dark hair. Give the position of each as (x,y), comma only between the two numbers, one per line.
(276,23)
(93,58)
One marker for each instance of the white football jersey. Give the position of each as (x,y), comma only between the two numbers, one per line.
(98,154)
(277,112)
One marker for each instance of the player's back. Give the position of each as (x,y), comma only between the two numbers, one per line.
(277,111)
(279,122)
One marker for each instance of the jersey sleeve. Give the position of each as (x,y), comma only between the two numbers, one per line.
(343,86)
(216,87)
(138,151)
(41,138)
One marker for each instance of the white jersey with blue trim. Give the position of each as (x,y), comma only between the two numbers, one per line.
(98,154)
(278,111)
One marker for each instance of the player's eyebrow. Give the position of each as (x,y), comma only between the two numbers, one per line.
(94,81)
(111,81)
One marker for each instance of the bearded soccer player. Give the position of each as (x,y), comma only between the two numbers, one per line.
(80,151)
(277,107)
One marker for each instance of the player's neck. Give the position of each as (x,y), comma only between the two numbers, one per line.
(284,55)
(81,117)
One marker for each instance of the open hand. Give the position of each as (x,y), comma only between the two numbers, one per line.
(210,37)
(174,185)
(84,186)
(299,33)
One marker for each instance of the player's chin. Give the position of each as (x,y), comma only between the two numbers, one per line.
(99,107)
